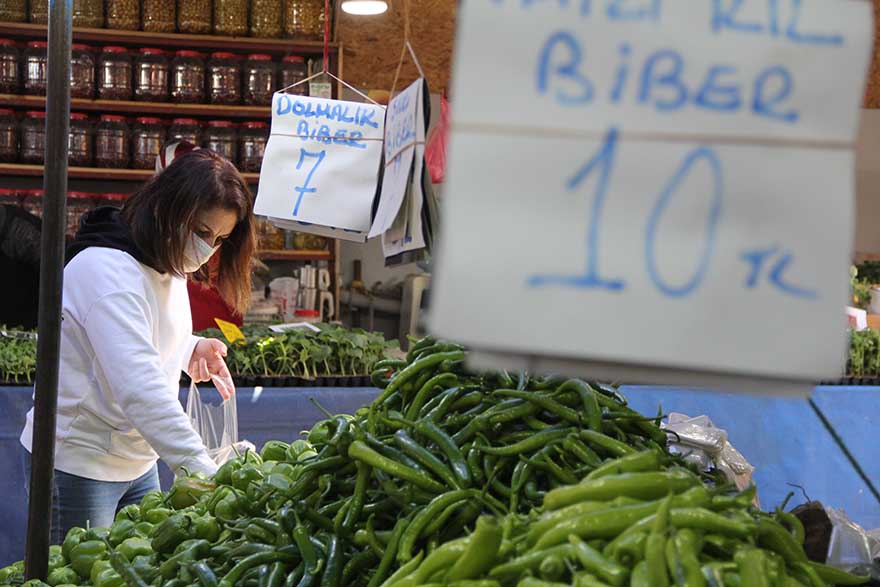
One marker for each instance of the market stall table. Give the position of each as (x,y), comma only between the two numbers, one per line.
(783,438)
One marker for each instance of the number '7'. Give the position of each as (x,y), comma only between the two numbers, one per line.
(306,187)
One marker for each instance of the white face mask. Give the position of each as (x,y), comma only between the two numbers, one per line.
(196,254)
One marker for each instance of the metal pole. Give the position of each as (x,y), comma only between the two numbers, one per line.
(51,273)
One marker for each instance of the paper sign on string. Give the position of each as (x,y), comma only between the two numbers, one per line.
(666,188)
(321,163)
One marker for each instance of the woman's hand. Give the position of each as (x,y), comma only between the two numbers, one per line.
(207,364)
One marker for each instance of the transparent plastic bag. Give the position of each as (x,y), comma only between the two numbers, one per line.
(217,424)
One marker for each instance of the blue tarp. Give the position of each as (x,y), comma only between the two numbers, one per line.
(783,438)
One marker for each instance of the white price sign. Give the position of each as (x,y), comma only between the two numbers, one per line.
(655,189)
(321,166)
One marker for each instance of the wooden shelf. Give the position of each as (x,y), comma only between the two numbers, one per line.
(136,175)
(172,40)
(295,255)
(141,108)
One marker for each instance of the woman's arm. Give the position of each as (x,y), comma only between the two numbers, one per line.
(119,329)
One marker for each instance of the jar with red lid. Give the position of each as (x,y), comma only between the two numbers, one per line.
(33,137)
(266,18)
(32,201)
(159,16)
(147,138)
(79,145)
(221,137)
(252,141)
(185,129)
(35,68)
(151,75)
(114,200)
(112,142)
(224,79)
(8,136)
(114,74)
(294,69)
(10,61)
(78,203)
(188,77)
(82,72)
(13,11)
(259,80)
(10,197)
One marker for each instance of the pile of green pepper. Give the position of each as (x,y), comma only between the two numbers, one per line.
(449,477)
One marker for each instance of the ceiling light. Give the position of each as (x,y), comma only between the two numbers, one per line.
(364,7)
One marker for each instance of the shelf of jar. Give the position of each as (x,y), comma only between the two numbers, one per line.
(295,255)
(173,40)
(141,108)
(21,169)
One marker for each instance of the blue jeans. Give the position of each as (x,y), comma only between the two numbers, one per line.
(77,500)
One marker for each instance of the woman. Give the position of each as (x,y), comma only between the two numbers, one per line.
(126,335)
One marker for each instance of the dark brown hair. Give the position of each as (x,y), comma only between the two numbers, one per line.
(163,213)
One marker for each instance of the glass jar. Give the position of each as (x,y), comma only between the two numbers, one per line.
(147,138)
(33,137)
(294,69)
(8,136)
(224,79)
(194,16)
(78,203)
(151,75)
(188,78)
(251,145)
(124,15)
(35,68)
(221,137)
(13,11)
(159,16)
(114,74)
(259,80)
(304,19)
(231,18)
(10,197)
(185,129)
(79,145)
(112,142)
(82,72)
(9,64)
(269,236)
(88,13)
(266,18)
(32,201)
(39,11)
(110,199)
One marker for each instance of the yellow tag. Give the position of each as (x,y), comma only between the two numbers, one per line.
(229,330)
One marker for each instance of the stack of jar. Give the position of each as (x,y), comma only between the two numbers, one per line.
(258,18)
(154,75)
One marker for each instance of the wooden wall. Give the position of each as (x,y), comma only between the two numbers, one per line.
(372,44)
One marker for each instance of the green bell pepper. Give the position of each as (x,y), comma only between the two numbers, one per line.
(108,578)
(120,531)
(84,555)
(252,458)
(157,515)
(206,527)
(133,547)
(98,568)
(147,567)
(8,574)
(223,476)
(74,537)
(143,529)
(274,450)
(167,535)
(62,575)
(96,534)
(56,557)
(230,508)
(292,472)
(187,491)
(151,501)
(130,512)
(296,448)
(247,474)
(34,583)
(320,432)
